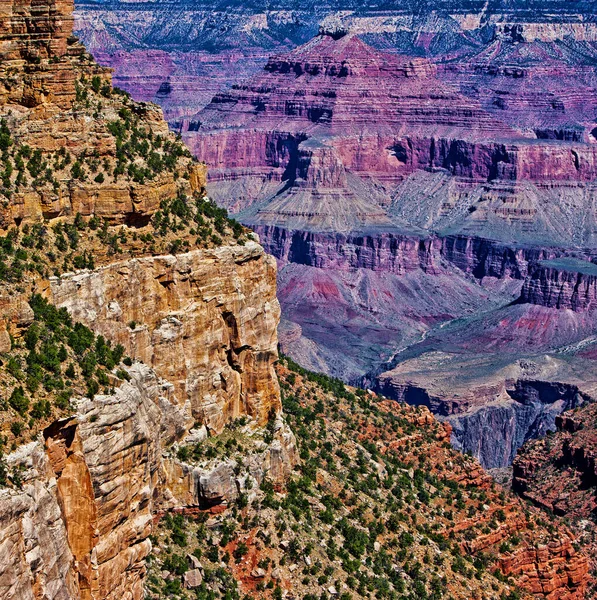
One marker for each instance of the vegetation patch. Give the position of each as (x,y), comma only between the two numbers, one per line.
(53,362)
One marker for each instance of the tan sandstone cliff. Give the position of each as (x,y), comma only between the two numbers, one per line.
(200,326)
(205,321)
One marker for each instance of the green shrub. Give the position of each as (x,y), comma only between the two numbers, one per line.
(18,401)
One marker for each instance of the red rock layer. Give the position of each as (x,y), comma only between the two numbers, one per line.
(559,472)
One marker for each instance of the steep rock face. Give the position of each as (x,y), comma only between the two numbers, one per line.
(402,253)
(559,472)
(562,284)
(32,31)
(476,171)
(47,84)
(390,253)
(496,433)
(206,321)
(36,556)
(494,401)
(562,572)
(30,27)
(85,511)
(79,528)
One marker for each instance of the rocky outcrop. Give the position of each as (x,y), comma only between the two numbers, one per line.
(33,32)
(205,321)
(498,430)
(390,253)
(562,284)
(61,109)
(560,472)
(79,527)
(402,253)
(222,482)
(199,329)
(494,404)
(33,28)
(549,568)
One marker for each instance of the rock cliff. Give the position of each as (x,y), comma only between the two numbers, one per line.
(171,404)
(558,472)
(205,321)
(562,284)
(79,526)
(104,215)
(414,171)
(483,538)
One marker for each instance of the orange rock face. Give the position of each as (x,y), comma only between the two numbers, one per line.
(32,32)
(49,104)
(38,28)
(84,512)
(205,321)
(75,496)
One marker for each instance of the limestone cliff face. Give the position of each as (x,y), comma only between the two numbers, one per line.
(56,100)
(33,31)
(205,321)
(79,526)
(200,326)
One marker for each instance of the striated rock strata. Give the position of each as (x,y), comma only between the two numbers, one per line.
(205,321)
(80,526)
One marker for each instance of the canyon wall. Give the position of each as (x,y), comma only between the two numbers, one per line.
(79,527)
(205,321)
(197,322)
(402,253)
(566,461)
(562,285)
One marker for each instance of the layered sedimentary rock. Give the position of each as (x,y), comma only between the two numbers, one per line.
(35,32)
(562,284)
(57,101)
(125,35)
(371,212)
(205,321)
(79,527)
(78,503)
(495,403)
(559,472)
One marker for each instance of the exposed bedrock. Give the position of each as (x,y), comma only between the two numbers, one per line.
(494,428)
(205,320)
(276,151)
(562,284)
(391,158)
(389,252)
(508,161)
(400,253)
(79,528)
